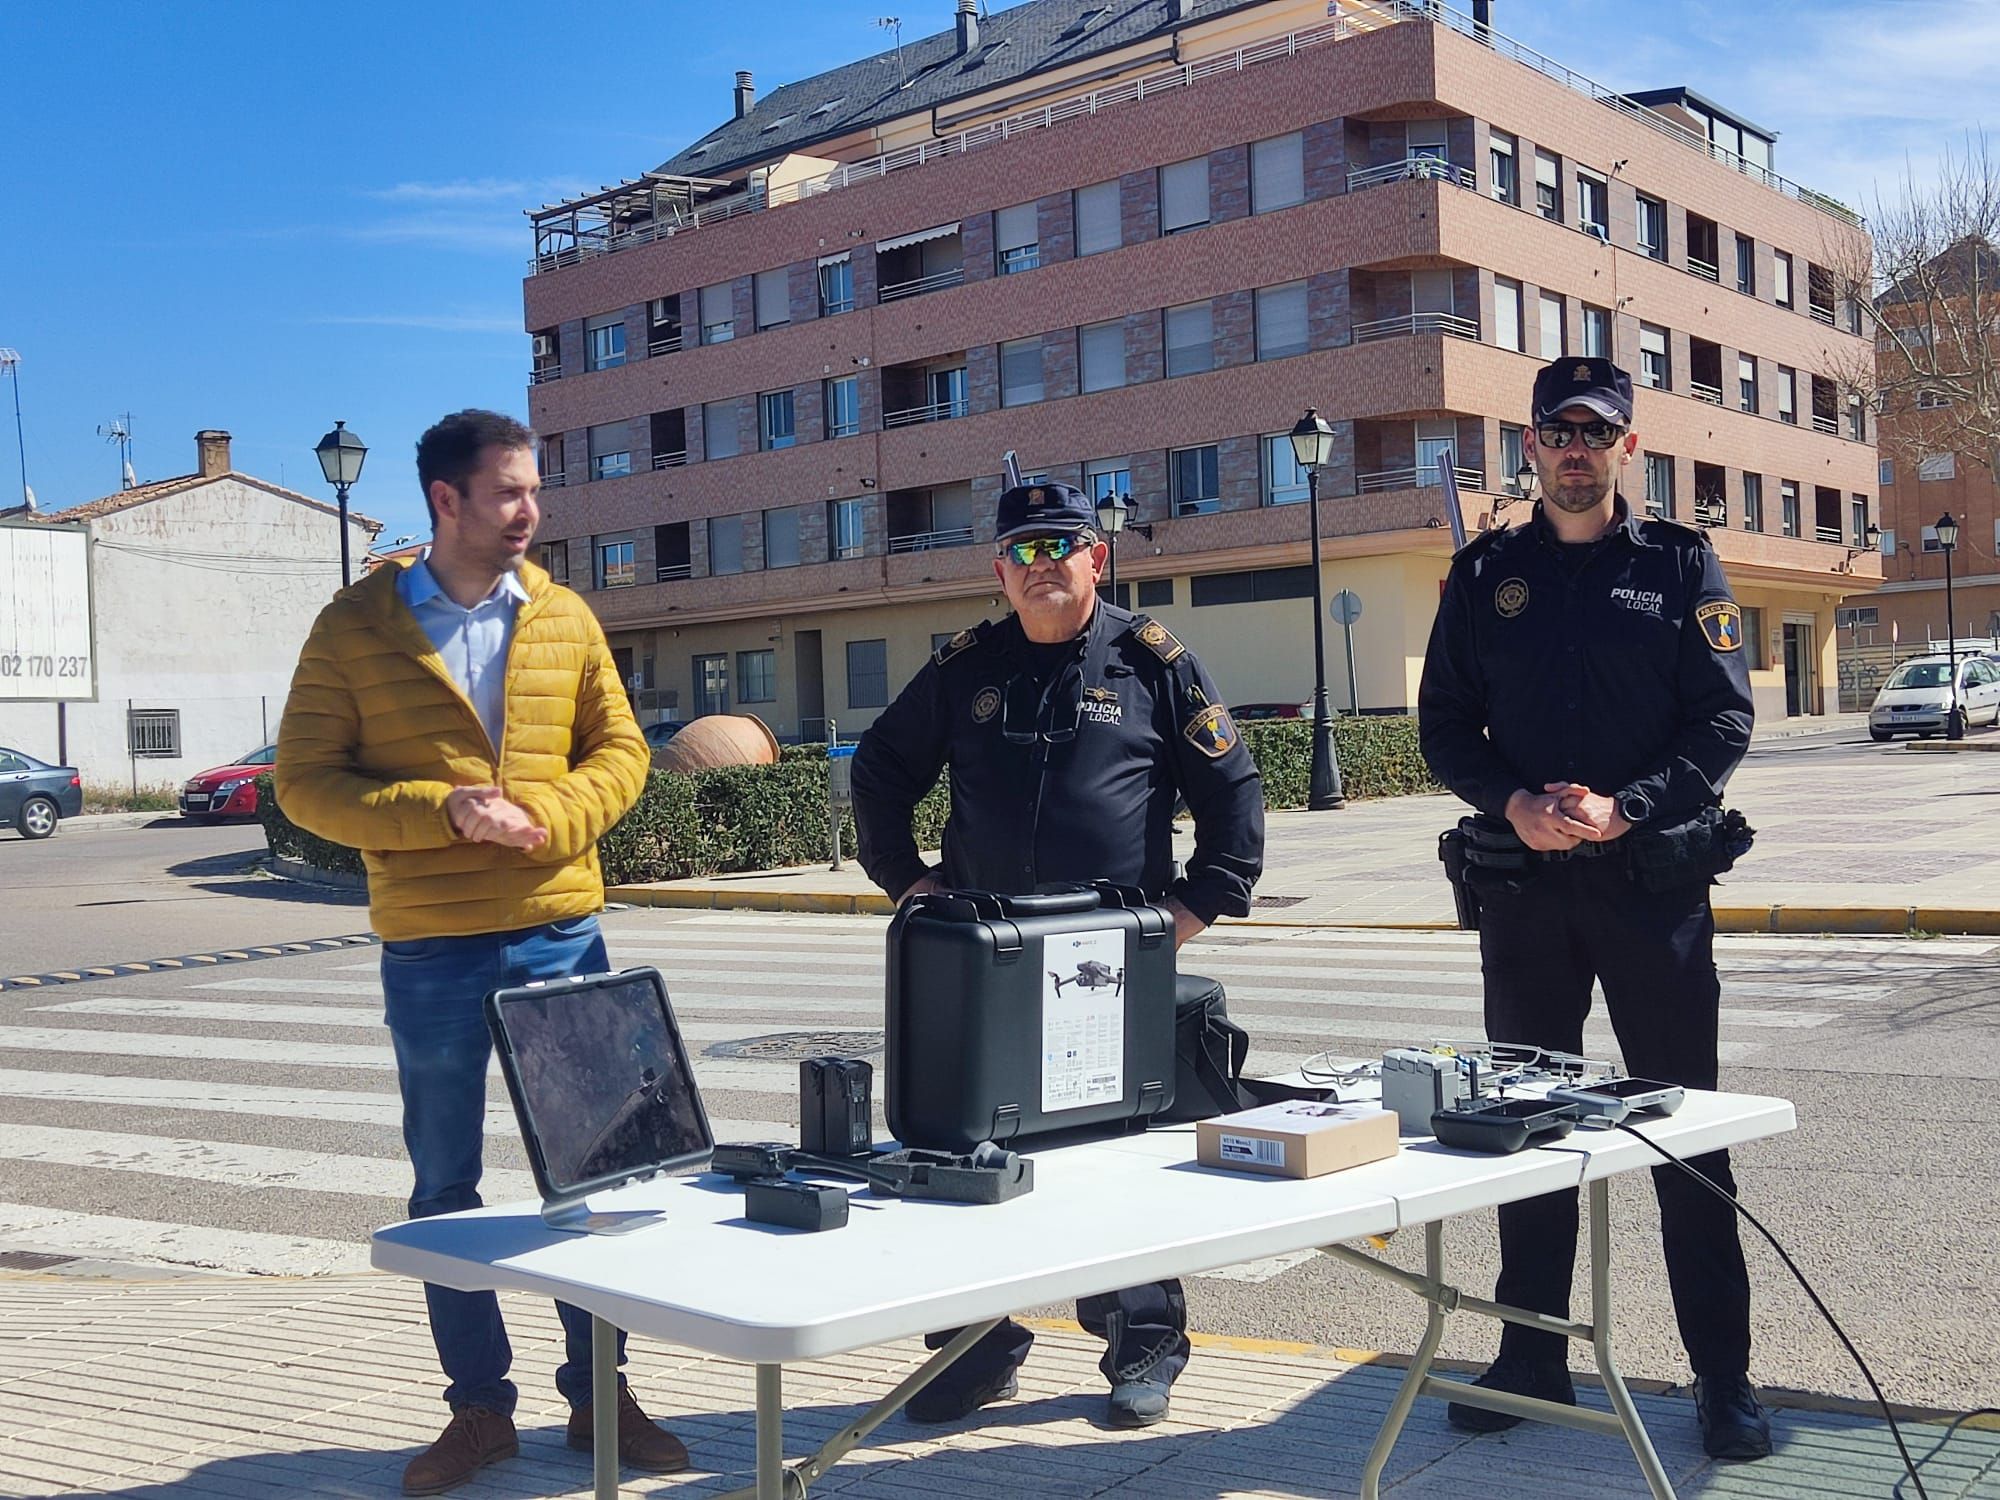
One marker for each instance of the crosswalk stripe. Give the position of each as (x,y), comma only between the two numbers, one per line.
(156,1242)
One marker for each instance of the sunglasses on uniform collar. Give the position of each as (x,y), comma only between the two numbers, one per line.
(1599,434)
(1024,551)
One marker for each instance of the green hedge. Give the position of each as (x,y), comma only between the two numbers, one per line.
(763,817)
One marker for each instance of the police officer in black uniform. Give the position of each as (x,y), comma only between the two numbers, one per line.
(1586,690)
(1070,727)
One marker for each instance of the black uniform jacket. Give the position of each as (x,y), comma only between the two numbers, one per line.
(1032,807)
(1622,669)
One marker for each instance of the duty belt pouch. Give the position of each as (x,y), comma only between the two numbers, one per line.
(1209,1052)
(1689,853)
(1010,1017)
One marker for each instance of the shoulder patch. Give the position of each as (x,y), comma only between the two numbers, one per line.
(1156,638)
(964,641)
(1211,731)
(1721,624)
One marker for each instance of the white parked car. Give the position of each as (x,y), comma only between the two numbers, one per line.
(1914,699)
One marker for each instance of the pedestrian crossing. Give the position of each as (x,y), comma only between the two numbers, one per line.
(252,1124)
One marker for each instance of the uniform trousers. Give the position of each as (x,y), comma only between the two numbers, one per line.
(1544,936)
(1144,1329)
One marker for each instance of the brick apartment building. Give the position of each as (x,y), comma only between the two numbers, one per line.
(1131,242)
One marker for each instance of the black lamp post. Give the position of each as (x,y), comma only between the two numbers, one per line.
(340,455)
(1112,509)
(1312,446)
(1954,714)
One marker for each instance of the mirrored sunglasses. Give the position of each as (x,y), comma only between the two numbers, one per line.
(1599,434)
(1054,548)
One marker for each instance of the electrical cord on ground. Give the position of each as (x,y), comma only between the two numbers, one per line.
(1944,1437)
(1840,1333)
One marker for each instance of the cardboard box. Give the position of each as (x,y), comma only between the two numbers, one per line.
(1297,1138)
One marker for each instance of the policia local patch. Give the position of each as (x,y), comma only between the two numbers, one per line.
(1722,623)
(1211,732)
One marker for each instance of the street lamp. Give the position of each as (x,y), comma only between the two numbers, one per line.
(1312,446)
(1112,509)
(340,455)
(1954,715)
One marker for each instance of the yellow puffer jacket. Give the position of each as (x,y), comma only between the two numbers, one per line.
(376,734)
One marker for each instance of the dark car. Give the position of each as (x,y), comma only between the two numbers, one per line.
(1247,711)
(35,796)
(227,791)
(658,734)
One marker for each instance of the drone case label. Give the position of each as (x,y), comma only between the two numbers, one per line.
(1083,1019)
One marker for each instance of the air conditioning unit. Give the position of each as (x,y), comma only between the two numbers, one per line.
(545,346)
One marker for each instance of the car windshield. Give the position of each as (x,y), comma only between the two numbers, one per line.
(1920,674)
(268,756)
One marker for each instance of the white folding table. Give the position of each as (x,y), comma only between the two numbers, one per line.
(1104,1215)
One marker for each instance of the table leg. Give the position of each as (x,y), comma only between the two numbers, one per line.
(1420,1364)
(1607,1369)
(603,1408)
(771,1432)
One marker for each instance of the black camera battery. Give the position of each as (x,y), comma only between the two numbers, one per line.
(836,1105)
(810,1206)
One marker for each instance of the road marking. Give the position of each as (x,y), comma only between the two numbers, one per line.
(155,1242)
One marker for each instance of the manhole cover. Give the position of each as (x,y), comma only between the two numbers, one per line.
(794,1045)
(1272,903)
(31,1260)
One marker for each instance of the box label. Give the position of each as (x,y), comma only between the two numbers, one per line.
(1253,1151)
(1083,1019)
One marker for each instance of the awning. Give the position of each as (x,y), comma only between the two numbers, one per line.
(835,260)
(899,241)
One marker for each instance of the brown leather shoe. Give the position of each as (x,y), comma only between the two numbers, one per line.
(641,1444)
(476,1437)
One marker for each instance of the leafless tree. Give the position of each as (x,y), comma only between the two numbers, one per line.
(1931,301)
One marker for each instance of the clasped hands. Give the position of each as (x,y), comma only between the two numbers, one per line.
(1564,814)
(483,815)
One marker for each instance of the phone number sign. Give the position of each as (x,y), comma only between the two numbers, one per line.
(46,647)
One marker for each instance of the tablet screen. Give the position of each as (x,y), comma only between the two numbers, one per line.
(602,1078)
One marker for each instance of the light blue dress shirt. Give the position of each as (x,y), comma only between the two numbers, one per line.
(473,642)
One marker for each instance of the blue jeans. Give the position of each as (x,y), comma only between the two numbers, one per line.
(435,991)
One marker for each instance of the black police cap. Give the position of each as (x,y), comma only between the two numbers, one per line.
(1043,510)
(1595,383)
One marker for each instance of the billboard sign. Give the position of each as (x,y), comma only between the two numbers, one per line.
(47,651)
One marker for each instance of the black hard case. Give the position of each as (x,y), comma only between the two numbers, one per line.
(964,1027)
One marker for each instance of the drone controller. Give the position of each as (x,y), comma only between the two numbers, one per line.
(988,1174)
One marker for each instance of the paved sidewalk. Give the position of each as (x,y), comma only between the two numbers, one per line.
(222,1387)
(1880,842)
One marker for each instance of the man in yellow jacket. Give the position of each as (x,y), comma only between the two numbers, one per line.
(460,721)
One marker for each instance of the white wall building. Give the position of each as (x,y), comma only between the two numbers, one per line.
(203,589)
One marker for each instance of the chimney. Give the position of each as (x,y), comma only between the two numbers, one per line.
(968,26)
(746,93)
(213,449)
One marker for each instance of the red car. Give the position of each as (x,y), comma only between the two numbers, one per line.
(227,791)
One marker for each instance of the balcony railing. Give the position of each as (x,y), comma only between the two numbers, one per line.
(670,572)
(1827,534)
(936,282)
(1711,512)
(671,460)
(1411,323)
(1417,167)
(1820,314)
(543,374)
(1712,394)
(1419,477)
(555,481)
(656,347)
(1830,425)
(928,541)
(1706,270)
(911,416)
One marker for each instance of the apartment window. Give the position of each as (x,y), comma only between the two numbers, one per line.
(617,566)
(836,286)
(711,683)
(844,528)
(867,674)
(1746,265)
(777,424)
(1654,369)
(1513,454)
(1101,355)
(947,390)
(1788,395)
(1506,313)
(1105,477)
(1190,338)
(1938,466)
(1781,278)
(1596,332)
(773,297)
(1788,506)
(549,458)
(1652,227)
(756,677)
(843,406)
(1857,420)
(1857,520)
(1505,171)
(1154,593)
(1746,383)
(1250,587)
(1753,502)
(1097,218)
(1184,195)
(1552,326)
(1021,372)
(1284,481)
(610,451)
(1281,320)
(1277,173)
(725,545)
(1427,139)
(1197,480)
(1932,401)
(1929,540)
(1548,186)
(673,552)
(781,537)
(1660,484)
(663,325)
(1753,638)
(554,558)
(1434,439)
(1017,238)
(1593,205)
(153,733)
(718,314)
(1885,472)
(604,342)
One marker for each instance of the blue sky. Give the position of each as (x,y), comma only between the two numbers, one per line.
(263,217)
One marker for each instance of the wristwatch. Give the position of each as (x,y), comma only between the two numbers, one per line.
(1634,807)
